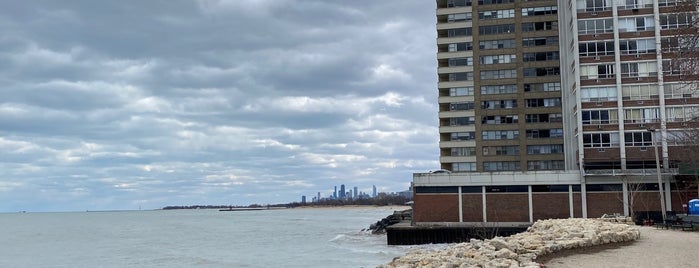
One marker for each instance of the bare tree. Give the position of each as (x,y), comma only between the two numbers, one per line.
(683,47)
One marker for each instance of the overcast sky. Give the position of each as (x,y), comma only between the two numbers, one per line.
(127,104)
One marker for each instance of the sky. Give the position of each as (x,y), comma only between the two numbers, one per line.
(143,104)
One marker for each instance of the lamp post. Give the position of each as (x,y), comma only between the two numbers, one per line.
(657,171)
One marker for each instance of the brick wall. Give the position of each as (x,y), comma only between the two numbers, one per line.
(577,205)
(550,206)
(436,208)
(473,207)
(600,203)
(507,207)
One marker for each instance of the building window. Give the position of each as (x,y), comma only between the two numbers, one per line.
(545,87)
(499,104)
(498,89)
(637,46)
(459,3)
(600,71)
(670,44)
(679,90)
(546,165)
(639,92)
(500,134)
(642,115)
(497,59)
(455,47)
(462,136)
(461,91)
(642,138)
(494,2)
(593,5)
(461,106)
(463,151)
(681,113)
(540,56)
(596,48)
(542,71)
(459,17)
(600,139)
(496,29)
(600,117)
(499,119)
(540,41)
(639,69)
(463,167)
(675,20)
(498,74)
(539,26)
(673,67)
(501,166)
(667,3)
(543,118)
(500,150)
(597,94)
(466,61)
(464,76)
(550,102)
(496,14)
(636,24)
(539,11)
(462,121)
(595,26)
(459,32)
(545,149)
(497,44)
(544,133)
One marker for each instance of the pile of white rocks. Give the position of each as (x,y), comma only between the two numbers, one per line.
(520,250)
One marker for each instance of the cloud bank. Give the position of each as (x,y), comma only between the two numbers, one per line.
(127,104)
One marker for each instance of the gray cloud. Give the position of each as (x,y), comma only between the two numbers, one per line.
(121,104)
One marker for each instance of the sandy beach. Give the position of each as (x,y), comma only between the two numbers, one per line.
(655,248)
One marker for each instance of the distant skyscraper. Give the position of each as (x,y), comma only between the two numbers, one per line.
(335,193)
(318,199)
(356,192)
(342,191)
(303,199)
(374,194)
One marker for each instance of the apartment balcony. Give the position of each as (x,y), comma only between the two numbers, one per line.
(457,159)
(459,54)
(459,143)
(630,172)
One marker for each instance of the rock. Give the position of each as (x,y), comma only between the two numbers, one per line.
(520,250)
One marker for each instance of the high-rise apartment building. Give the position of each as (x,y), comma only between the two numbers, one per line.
(553,109)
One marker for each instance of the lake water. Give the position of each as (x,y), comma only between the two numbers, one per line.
(305,237)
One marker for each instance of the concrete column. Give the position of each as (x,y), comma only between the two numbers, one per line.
(583,195)
(570,201)
(625,196)
(531,204)
(461,206)
(485,214)
(668,196)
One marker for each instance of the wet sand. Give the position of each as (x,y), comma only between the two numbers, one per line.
(655,248)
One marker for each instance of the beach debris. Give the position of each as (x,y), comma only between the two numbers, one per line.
(521,250)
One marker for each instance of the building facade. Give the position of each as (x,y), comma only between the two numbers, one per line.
(554,109)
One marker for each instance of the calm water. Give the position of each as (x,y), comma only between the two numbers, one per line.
(324,237)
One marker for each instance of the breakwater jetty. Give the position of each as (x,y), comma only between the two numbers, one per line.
(522,249)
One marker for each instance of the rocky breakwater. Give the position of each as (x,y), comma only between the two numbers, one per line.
(521,250)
